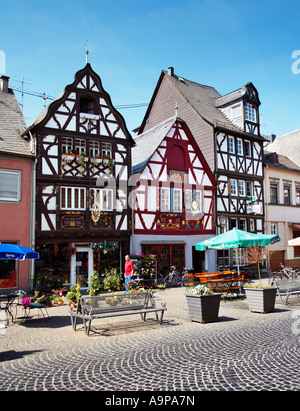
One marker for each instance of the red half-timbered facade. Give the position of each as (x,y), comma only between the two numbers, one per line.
(83,149)
(174,194)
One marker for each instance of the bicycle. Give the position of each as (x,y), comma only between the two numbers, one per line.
(287,272)
(175,278)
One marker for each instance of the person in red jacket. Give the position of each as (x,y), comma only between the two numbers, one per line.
(128,271)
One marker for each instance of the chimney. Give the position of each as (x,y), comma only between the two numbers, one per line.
(171,71)
(4,84)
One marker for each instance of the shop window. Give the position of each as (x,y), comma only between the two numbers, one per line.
(167,255)
(8,271)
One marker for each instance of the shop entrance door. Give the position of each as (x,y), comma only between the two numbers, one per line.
(82,265)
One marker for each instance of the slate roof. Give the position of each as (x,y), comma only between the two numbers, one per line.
(148,142)
(287,145)
(206,100)
(12,124)
(280,161)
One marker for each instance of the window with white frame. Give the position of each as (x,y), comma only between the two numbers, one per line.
(241,185)
(274,228)
(103,196)
(297,191)
(66,145)
(94,148)
(231,145)
(72,198)
(80,146)
(250,113)
(252,225)
(274,193)
(176,200)
(286,194)
(247,148)
(106,150)
(10,185)
(233,187)
(243,224)
(239,147)
(249,189)
(188,196)
(164,199)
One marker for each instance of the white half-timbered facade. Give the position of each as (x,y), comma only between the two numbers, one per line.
(83,149)
(173,195)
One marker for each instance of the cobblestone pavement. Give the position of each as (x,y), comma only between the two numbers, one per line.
(242,351)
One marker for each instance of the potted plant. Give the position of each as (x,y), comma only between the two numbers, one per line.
(260,299)
(73,295)
(203,304)
(95,284)
(112,280)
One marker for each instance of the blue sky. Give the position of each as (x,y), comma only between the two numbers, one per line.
(220,43)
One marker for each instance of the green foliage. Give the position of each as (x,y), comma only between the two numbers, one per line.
(95,284)
(112,280)
(74,293)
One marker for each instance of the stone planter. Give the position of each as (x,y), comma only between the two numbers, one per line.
(203,308)
(261,300)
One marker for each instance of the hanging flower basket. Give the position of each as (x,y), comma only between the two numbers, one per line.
(68,251)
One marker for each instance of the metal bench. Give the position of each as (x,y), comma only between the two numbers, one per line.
(286,287)
(113,305)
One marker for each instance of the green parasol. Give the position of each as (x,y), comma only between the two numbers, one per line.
(236,238)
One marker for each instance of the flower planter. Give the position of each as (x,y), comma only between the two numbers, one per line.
(204,308)
(261,300)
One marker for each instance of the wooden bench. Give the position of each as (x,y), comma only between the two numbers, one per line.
(113,305)
(286,287)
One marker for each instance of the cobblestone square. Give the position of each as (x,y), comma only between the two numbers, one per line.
(242,351)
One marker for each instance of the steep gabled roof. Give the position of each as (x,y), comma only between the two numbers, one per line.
(205,100)
(12,124)
(77,84)
(147,143)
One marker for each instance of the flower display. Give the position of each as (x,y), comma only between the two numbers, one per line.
(199,290)
(26,301)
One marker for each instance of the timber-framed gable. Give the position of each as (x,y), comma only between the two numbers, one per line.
(84,163)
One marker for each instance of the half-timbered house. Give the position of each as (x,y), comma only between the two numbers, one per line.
(174,195)
(227,130)
(83,149)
